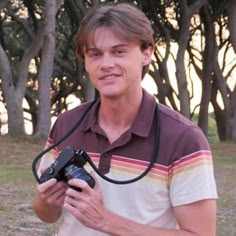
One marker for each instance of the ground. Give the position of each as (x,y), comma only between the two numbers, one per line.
(17,188)
(18,184)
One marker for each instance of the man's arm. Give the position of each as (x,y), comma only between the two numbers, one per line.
(49,199)
(195,219)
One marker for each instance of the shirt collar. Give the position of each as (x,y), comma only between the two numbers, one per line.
(142,124)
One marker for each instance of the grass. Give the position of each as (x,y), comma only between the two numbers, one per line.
(17,188)
(225,166)
(17,175)
(18,184)
(225,173)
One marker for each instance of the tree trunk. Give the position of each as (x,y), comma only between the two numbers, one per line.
(233,117)
(221,115)
(208,55)
(186,13)
(12,97)
(184,26)
(84,80)
(232,22)
(14,92)
(46,69)
(225,128)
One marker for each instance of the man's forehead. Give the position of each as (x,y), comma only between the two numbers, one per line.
(107,36)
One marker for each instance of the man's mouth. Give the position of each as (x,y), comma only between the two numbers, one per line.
(108,77)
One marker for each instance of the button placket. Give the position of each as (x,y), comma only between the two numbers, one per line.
(104,163)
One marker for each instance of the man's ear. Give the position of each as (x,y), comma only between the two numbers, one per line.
(147,56)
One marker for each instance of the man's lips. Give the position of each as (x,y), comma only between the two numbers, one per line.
(108,77)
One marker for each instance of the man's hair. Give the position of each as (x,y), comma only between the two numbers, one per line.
(124,19)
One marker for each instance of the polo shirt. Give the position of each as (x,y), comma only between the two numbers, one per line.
(182,174)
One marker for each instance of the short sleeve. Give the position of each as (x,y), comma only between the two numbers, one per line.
(191,176)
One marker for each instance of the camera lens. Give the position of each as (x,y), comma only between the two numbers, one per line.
(74,172)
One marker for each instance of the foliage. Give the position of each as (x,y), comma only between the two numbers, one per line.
(190,36)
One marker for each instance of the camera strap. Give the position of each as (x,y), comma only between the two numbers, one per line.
(152,162)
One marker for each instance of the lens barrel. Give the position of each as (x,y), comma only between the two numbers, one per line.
(74,172)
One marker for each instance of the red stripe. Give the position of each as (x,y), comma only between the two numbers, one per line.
(138,162)
(189,159)
(131,163)
(155,170)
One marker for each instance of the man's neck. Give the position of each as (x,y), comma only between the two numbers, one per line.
(115,116)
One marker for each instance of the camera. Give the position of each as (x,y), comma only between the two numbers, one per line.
(69,165)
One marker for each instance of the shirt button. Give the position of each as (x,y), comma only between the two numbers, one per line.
(106,155)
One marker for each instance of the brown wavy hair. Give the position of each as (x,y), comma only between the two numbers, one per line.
(124,19)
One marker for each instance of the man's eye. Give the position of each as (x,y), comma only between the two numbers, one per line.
(119,52)
(93,54)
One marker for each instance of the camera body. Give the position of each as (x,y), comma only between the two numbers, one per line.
(69,165)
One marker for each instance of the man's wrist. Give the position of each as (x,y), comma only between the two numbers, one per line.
(116,225)
(46,212)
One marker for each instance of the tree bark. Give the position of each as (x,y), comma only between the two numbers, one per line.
(209,56)
(233,117)
(222,115)
(232,22)
(14,91)
(46,68)
(182,83)
(186,13)
(13,98)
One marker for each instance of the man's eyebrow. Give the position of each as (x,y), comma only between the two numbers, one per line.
(113,47)
(120,45)
(87,49)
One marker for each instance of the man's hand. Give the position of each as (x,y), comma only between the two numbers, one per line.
(86,206)
(52,192)
(49,200)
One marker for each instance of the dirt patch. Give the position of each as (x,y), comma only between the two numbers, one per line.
(17,188)
(225,172)
(18,185)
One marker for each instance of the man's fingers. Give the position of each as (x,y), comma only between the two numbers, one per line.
(42,170)
(80,184)
(45,186)
(97,186)
(57,198)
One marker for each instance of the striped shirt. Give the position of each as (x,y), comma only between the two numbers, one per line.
(182,173)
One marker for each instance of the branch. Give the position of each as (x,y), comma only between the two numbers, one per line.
(194,8)
(6,75)
(30,53)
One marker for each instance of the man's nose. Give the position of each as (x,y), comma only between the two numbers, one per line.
(107,61)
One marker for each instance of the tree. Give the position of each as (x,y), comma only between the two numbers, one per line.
(190,36)
(13,90)
(186,12)
(46,66)
(231,9)
(14,83)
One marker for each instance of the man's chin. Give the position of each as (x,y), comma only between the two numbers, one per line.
(110,95)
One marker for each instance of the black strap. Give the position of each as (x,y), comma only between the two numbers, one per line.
(152,162)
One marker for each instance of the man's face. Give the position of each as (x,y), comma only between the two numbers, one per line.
(115,64)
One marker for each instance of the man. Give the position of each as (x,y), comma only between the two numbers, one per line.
(119,132)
